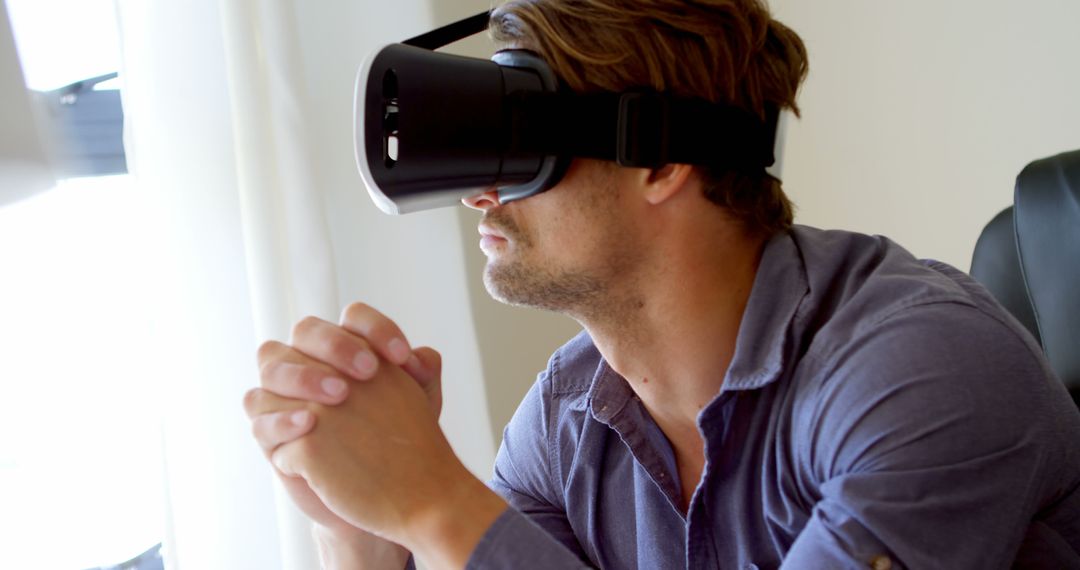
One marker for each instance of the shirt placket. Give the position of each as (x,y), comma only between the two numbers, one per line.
(702,550)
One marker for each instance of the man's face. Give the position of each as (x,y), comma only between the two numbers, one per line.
(566,249)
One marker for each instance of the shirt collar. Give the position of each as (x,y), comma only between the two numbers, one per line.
(761,347)
(608,394)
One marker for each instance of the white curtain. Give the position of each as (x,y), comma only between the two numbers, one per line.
(239,123)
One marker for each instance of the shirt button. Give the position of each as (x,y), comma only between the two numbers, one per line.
(881,562)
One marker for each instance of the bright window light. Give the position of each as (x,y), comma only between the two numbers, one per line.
(81,481)
(63,41)
(80,438)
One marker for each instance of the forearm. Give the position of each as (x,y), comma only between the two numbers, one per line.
(445,535)
(363,552)
(515,541)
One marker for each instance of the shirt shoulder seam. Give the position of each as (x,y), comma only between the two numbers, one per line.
(552,429)
(825,358)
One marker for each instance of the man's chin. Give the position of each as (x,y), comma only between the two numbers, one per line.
(504,281)
(494,279)
(514,283)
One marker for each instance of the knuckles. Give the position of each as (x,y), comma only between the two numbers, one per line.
(293,380)
(327,342)
(306,381)
(356,312)
(267,351)
(305,326)
(340,348)
(368,322)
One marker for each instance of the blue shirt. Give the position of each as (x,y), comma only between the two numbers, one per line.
(879,410)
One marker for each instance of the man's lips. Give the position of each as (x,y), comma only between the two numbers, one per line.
(489,232)
(490,239)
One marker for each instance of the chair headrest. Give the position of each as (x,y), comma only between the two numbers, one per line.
(1047,217)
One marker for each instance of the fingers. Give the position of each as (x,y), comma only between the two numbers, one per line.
(258,401)
(381,333)
(426,368)
(323,355)
(288,372)
(276,420)
(283,459)
(335,346)
(274,429)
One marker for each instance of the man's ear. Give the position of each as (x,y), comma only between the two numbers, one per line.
(662,183)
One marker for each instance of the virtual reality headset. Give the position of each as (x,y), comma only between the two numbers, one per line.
(432,128)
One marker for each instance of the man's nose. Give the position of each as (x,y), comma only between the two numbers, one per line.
(483,201)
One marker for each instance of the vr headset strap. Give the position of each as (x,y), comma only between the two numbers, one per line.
(450,33)
(641,129)
(650,129)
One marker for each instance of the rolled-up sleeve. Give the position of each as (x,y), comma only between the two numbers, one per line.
(514,541)
(534,532)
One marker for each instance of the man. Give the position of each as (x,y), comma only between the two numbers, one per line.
(746,393)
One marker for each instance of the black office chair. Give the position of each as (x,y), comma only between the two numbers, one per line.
(1029,258)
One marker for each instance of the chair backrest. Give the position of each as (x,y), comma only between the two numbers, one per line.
(996,264)
(1029,258)
(1047,218)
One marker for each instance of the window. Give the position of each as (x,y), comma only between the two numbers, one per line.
(80,443)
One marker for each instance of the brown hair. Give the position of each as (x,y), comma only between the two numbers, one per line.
(726,51)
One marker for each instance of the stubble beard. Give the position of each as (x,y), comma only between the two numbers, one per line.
(583,294)
(515,283)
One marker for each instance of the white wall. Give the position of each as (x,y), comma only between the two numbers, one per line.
(918,115)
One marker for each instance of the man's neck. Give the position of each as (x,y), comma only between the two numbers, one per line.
(674,337)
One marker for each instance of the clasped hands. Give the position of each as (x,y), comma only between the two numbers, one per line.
(348,415)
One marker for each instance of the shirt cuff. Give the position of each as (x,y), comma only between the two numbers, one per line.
(513,541)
